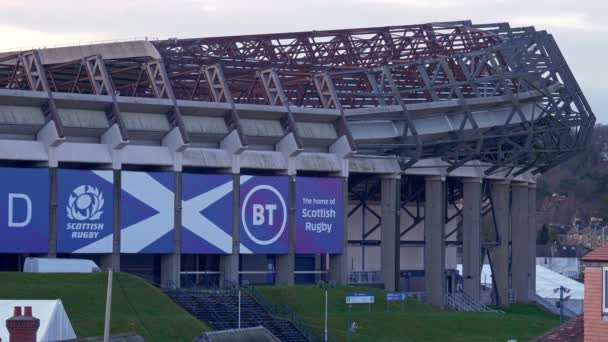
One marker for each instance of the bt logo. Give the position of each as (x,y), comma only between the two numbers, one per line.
(258,213)
(264,214)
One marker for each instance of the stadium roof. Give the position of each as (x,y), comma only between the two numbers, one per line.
(457,91)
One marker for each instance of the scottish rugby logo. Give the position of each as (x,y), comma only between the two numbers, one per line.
(85,204)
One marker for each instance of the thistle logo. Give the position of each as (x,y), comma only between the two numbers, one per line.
(85,204)
(264,214)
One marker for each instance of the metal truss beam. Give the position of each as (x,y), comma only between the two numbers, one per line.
(276,96)
(161,87)
(220,91)
(102,85)
(36,76)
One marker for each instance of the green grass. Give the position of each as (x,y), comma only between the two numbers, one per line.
(413,322)
(155,316)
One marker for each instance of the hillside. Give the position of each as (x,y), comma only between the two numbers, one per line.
(412,322)
(155,316)
(581,183)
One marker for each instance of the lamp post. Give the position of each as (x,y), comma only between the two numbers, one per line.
(562,299)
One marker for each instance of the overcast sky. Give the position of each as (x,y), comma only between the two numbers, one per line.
(580,27)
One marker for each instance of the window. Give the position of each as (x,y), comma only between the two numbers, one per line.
(605,291)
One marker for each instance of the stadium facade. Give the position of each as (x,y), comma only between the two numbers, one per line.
(363,155)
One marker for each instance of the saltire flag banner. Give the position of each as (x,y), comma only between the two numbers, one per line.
(24,210)
(264,214)
(207,218)
(319,215)
(85,203)
(147,211)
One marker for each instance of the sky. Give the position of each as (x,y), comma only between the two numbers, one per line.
(580,27)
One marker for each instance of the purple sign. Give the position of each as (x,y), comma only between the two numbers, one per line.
(264,218)
(85,211)
(24,210)
(319,215)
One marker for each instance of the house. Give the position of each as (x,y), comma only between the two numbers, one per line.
(593,325)
(596,294)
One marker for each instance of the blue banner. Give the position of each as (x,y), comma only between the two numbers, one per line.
(85,212)
(24,210)
(264,215)
(395,296)
(319,215)
(207,213)
(147,211)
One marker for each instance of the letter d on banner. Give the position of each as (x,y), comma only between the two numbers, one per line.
(28,203)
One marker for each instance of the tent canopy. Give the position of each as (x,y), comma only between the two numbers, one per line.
(54,322)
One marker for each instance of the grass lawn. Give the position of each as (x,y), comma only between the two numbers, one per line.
(413,322)
(156,317)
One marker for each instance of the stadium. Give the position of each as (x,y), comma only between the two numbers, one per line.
(379,156)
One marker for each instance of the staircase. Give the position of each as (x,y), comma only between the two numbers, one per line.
(460,301)
(219,308)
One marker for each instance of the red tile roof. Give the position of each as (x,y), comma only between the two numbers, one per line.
(571,331)
(598,254)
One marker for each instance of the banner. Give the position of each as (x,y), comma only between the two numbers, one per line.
(24,210)
(147,210)
(319,215)
(207,213)
(264,214)
(85,202)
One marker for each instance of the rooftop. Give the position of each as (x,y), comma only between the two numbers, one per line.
(598,254)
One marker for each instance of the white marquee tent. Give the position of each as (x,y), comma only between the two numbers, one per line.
(54,322)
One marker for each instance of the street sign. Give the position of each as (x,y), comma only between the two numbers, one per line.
(359,298)
(395,296)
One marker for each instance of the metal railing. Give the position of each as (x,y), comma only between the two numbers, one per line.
(284,312)
(460,301)
(365,277)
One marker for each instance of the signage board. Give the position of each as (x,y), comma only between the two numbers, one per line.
(24,210)
(147,210)
(359,298)
(264,215)
(207,213)
(395,296)
(319,215)
(85,203)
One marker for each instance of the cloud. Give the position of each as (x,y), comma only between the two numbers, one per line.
(572,21)
(17,38)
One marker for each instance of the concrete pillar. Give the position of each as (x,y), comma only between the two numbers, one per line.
(471,245)
(434,236)
(389,203)
(500,253)
(285,263)
(114,261)
(229,263)
(170,264)
(532,235)
(52,253)
(520,245)
(338,263)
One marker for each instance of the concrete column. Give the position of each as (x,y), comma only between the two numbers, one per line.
(338,263)
(434,236)
(114,261)
(229,263)
(390,244)
(170,264)
(471,245)
(286,262)
(500,253)
(532,235)
(520,246)
(52,253)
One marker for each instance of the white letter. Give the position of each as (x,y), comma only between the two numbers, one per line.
(28,218)
(258,214)
(271,208)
